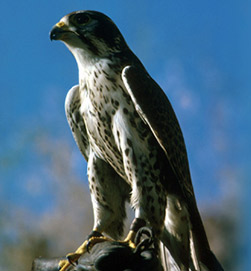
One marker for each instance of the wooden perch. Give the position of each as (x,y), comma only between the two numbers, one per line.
(112,256)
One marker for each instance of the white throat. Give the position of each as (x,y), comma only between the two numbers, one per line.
(87,63)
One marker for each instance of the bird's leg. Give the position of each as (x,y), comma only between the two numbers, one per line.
(72,258)
(108,193)
(135,226)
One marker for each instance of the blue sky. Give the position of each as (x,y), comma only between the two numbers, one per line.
(198,51)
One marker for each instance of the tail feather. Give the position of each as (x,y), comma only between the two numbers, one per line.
(186,245)
(167,260)
(199,241)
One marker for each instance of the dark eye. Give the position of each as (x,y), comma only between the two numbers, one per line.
(82,18)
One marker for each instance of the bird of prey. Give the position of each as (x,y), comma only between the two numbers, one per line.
(126,129)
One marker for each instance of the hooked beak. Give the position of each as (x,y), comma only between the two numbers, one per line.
(58,31)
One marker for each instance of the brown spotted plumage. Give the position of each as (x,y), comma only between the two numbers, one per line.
(126,129)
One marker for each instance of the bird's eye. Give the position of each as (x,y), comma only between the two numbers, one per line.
(82,18)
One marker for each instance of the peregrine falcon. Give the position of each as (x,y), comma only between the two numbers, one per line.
(126,129)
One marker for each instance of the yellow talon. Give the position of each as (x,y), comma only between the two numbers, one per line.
(130,239)
(63,265)
(72,258)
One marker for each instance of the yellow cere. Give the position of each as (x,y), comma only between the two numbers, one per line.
(60,24)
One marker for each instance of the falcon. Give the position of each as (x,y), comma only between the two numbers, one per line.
(126,129)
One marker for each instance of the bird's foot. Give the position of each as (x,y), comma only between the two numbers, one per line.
(96,237)
(129,240)
(72,258)
(135,226)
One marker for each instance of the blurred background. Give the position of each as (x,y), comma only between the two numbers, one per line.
(199,53)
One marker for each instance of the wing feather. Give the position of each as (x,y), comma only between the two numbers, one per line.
(155,109)
(75,120)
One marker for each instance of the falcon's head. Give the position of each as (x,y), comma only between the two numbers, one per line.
(90,34)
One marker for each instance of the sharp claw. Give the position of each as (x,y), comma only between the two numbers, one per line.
(72,258)
(94,234)
(88,246)
(70,261)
